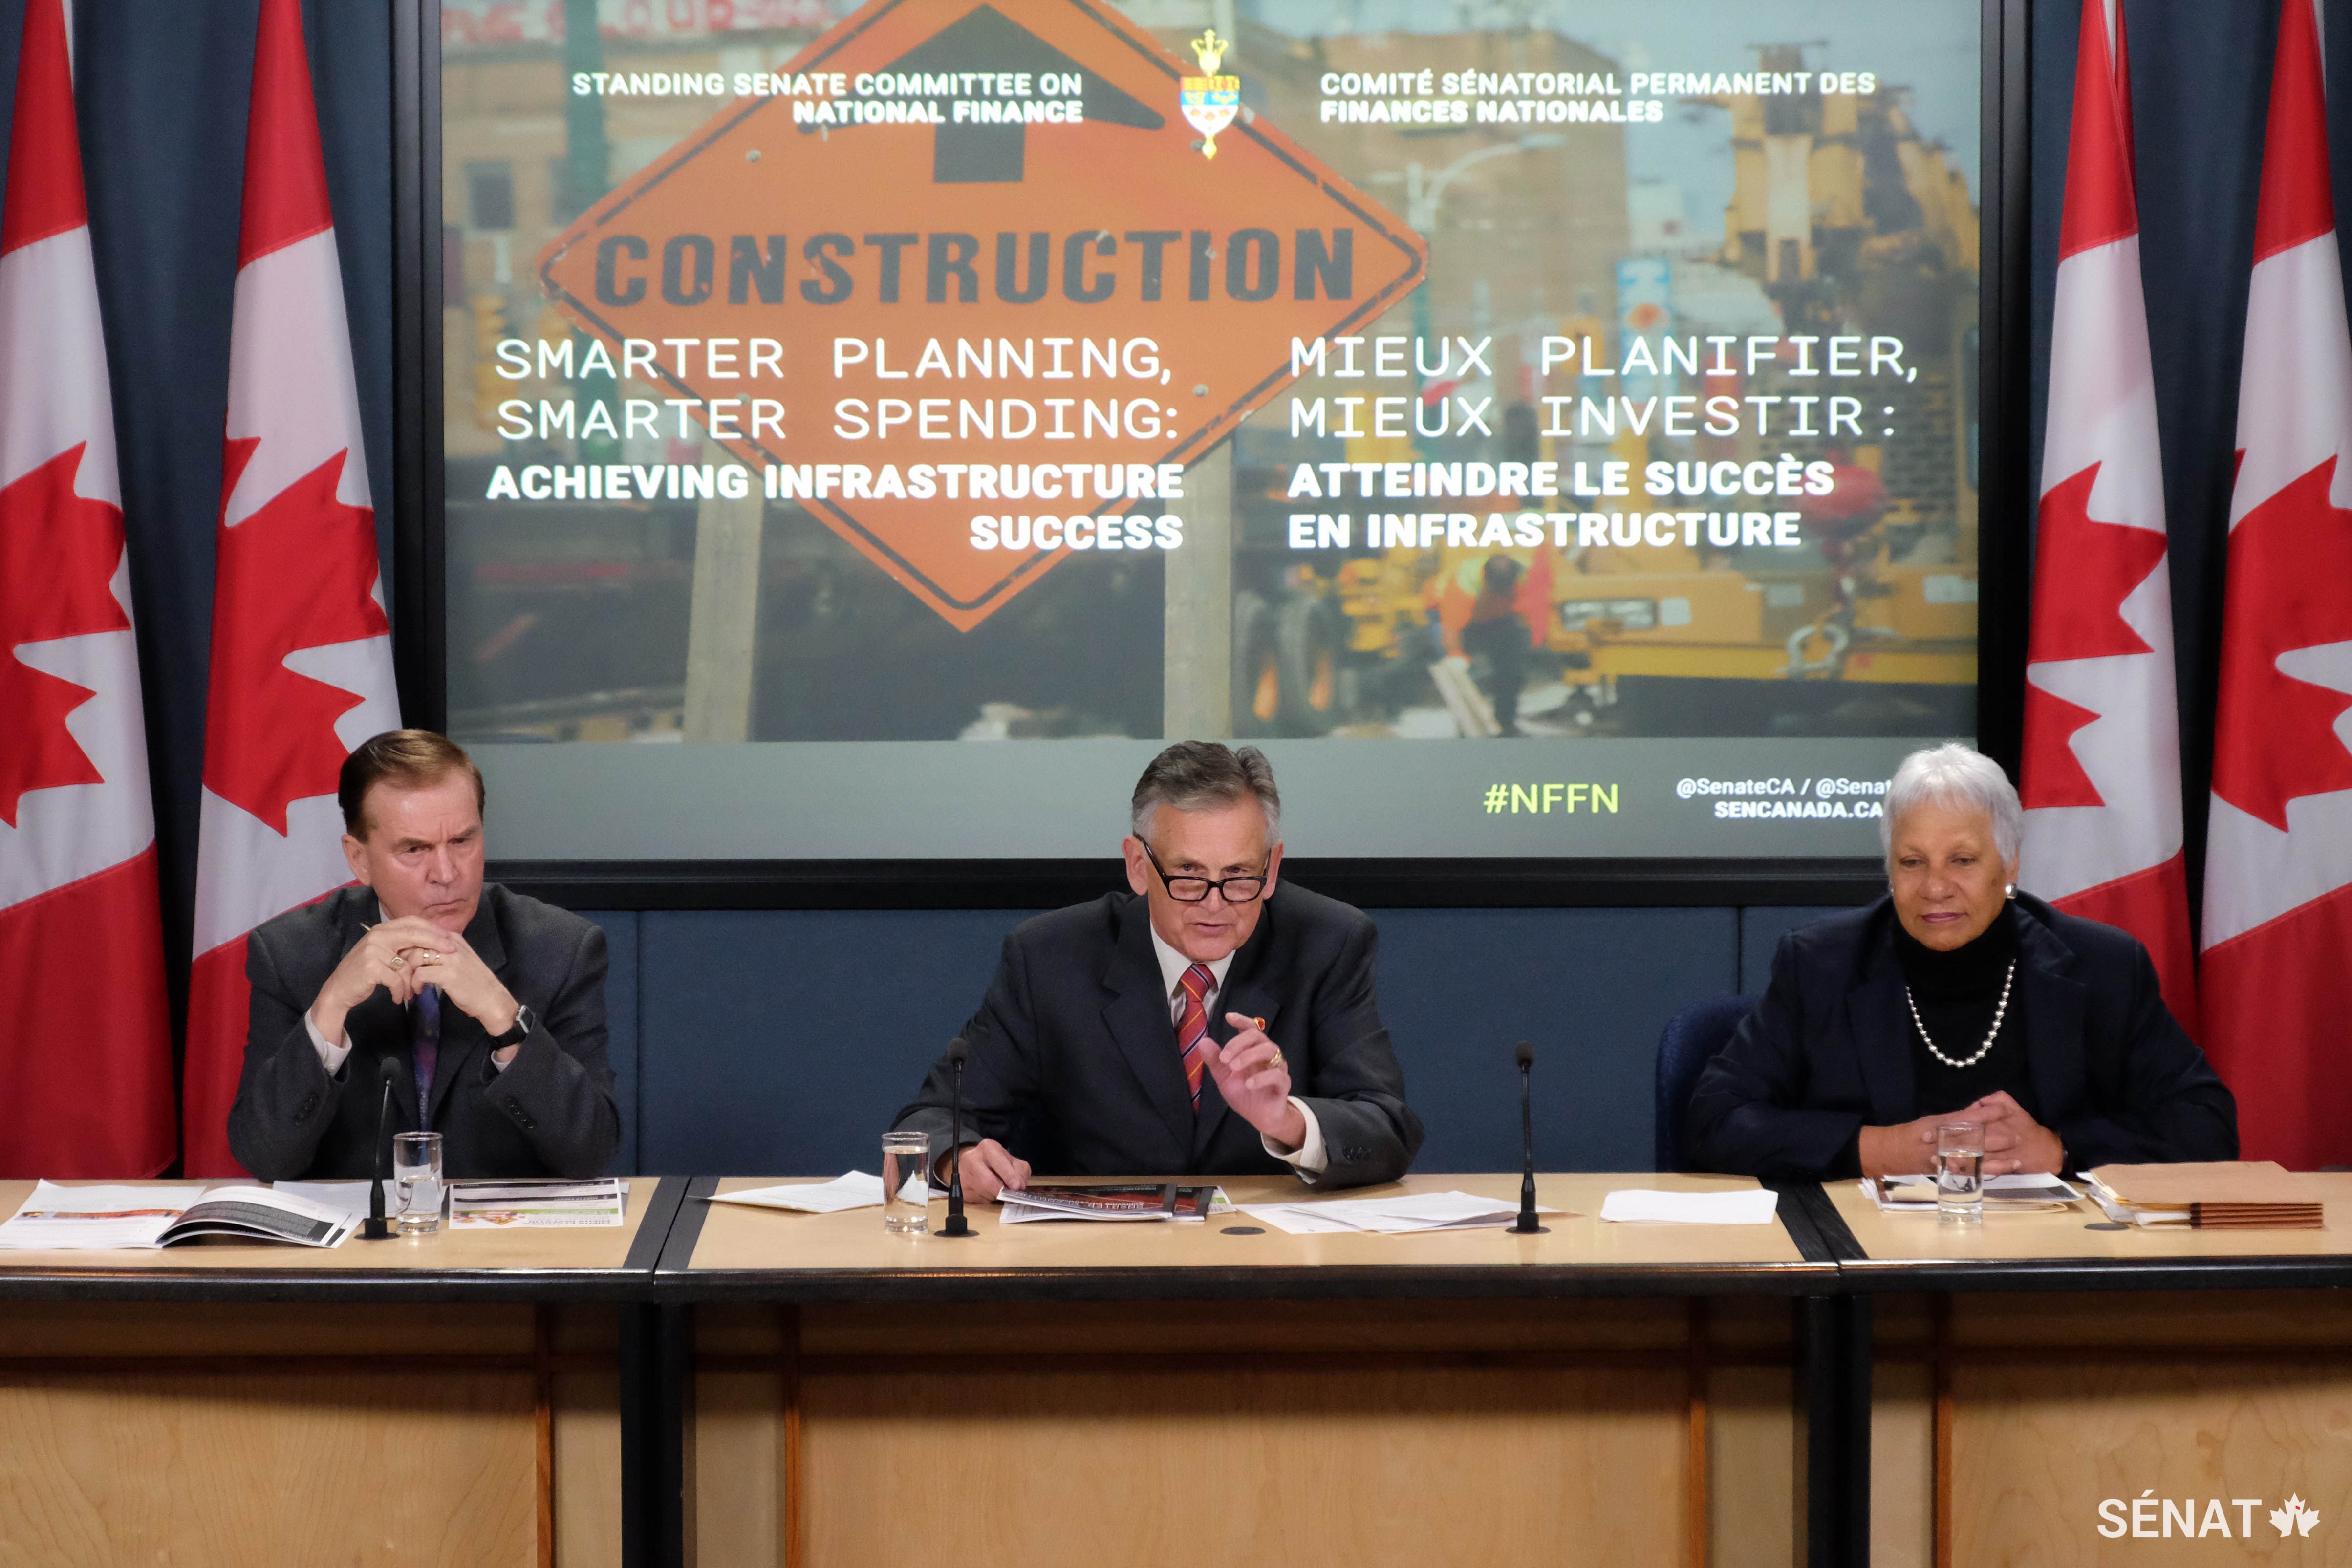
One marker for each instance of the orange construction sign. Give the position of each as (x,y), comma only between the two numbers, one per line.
(961,265)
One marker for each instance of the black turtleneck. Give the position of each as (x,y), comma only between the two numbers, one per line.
(1956,994)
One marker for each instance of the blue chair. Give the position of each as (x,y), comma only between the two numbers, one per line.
(1692,1036)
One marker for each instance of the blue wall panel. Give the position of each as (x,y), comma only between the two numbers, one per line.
(621,1020)
(1590,988)
(1760,931)
(781,1042)
(778,1043)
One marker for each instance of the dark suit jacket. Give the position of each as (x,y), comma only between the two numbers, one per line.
(1076,1027)
(1828,1051)
(550,1112)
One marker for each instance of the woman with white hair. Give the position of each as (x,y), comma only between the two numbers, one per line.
(1957,998)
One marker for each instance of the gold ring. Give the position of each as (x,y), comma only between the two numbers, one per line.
(398,962)
(1277,1057)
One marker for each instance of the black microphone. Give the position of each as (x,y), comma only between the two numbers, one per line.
(375,1229)
(1527,1225)
(957,1225)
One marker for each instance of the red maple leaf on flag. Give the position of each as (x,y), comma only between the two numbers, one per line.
(2084,570)
(2290,587)
(297,573)
(58,552)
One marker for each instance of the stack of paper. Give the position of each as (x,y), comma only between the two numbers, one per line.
(2227,1194)
(1752,1206)
(2002,1194)
(855,1190)
(1389,1216)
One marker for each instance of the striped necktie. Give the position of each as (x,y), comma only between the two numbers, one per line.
(424,1037)
(1192,1024)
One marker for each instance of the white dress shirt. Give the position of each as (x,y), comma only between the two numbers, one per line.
(1309,1158)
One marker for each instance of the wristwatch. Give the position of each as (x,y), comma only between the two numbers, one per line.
(525,1021)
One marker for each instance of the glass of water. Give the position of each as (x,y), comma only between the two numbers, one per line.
(1959,1171)
(417,1183)
(907,1183)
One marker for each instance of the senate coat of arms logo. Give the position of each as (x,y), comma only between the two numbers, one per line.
(1210,101)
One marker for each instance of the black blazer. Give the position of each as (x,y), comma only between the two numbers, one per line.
(1828,1051)
(1075,1029)
(552,1112)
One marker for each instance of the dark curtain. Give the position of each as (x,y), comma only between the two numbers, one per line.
(162,86)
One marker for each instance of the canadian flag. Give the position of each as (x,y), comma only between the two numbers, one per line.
(301,664)
(85,1033)
(2102,763)
(2277,967)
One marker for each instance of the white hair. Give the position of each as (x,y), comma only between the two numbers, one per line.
(1957,777)
(1200,776)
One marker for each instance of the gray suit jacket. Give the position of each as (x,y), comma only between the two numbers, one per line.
(552,1112)
(1074,1060)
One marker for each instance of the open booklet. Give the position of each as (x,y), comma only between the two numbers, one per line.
(138,1219)
(2019,1193)
(1150,1200)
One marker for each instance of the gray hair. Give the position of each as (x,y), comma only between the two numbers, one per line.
(1956,776)
(1196,775)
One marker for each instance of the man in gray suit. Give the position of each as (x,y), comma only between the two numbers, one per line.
(491,1004)
(1138,1035)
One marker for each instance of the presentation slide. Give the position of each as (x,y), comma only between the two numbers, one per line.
(873,430)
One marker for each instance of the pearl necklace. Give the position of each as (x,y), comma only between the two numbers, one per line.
(1991,1034)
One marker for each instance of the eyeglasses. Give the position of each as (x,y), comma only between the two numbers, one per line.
(1194,889)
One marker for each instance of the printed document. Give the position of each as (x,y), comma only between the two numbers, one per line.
(537,1205)
(1400,1214)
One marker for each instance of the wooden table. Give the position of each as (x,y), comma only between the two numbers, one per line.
(752,1387)
(1176,1394)
(2028,1369)
(457,1398)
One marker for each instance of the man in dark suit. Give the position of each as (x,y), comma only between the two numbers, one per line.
(491,1004)
(1141,1028)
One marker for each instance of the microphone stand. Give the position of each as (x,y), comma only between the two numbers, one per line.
(957,1225)
(374,1228)
(1527,1224)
